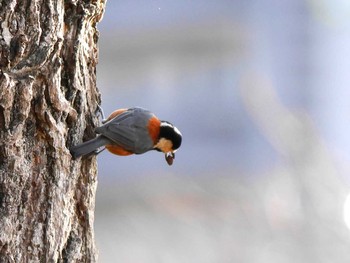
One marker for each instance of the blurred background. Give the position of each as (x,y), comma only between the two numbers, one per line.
(260,91)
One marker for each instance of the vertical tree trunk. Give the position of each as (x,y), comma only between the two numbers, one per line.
(48,99)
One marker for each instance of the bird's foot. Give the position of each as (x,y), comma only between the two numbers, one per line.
(100,112)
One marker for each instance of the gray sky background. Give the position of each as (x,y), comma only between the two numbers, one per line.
(260,91)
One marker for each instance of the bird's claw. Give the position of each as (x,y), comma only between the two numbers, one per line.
(100,112)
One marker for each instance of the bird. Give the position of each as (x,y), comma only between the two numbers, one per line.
(132,131)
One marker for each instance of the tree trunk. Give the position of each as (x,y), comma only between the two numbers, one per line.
(48,99)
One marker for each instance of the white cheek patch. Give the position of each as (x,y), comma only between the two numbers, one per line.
(177,131)
(163,124)
(166,124)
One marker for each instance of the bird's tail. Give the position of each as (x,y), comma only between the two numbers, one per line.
(88,146)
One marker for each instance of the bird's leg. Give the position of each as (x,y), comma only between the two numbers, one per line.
(99,111)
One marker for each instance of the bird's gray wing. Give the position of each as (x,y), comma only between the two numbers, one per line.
(129,130)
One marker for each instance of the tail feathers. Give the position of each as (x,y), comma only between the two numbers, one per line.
(88,146)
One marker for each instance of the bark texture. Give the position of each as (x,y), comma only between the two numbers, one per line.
(48,99)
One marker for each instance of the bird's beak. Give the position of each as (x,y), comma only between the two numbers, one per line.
(169,157)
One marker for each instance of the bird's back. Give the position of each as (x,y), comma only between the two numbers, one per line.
(130,130)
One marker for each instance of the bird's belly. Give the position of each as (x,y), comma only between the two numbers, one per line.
(115,149)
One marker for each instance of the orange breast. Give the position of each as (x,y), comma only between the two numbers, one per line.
(115,149)
(153,128)
(115,113)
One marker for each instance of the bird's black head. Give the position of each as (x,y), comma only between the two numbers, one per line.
(171,133)
(170,139)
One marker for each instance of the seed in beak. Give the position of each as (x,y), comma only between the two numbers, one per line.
(169,157)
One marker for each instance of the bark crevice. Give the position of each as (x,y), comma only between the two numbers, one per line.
(48,97)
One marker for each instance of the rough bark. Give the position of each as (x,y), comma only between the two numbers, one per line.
(48,99)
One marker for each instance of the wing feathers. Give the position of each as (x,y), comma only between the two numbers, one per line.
(129,129)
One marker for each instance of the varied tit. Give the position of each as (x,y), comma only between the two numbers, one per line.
(133,131)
